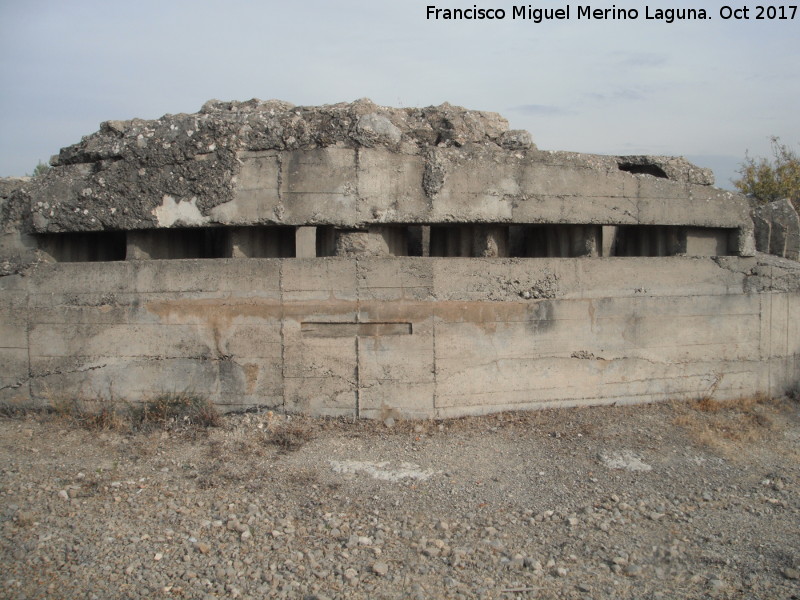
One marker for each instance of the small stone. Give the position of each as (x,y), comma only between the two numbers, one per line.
(389,421)
(380,568)
(790,573)
(633,570)
(716,584)
(246,535)
(350,574)
(25,518)
(63,494)
(202,547)
(158,556)
(531,563)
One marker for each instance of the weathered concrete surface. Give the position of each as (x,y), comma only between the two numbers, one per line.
(273,163)
(777,229)
(258,253)
(17,247)
(416,337)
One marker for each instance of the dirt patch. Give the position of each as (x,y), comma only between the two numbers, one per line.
(548,504)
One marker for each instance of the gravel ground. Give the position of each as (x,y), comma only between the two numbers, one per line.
(664,501)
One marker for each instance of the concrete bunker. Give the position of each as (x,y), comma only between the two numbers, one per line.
(354,259)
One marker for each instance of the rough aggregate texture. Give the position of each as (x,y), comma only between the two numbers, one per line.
(668,501)
(116,177)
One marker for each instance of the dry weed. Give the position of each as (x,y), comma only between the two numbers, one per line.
(727,425)
(177,410)
(289,436)
(91,414)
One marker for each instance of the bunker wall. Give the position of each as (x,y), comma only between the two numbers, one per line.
(417,337)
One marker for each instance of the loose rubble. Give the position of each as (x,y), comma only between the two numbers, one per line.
(514,506)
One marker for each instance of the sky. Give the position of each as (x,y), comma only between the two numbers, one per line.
(711,90)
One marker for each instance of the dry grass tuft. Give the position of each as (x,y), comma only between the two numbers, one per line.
(727,425)
(177,410)
(168,411)
(289,436)
(91,414)
(13,409)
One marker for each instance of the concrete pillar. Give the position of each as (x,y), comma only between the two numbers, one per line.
(643,242)
(140,245)
(377,240)
(452,241)
(659,241)
(426,240)
(608,236)
(584,240)
(260,242)
(562,236)
(464,233)
(676,243)
(490,240)
(306,242)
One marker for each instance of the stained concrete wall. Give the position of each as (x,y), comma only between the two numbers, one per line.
(349,187)
(408,336)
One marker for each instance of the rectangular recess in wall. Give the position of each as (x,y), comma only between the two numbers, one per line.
(83,246)
(340,330)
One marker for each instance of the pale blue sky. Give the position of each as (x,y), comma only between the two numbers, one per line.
(708,90)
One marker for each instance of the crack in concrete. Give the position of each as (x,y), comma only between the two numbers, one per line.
(33,376)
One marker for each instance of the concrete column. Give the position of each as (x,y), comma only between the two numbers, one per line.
(306,242)
(377,240)
(659,241)
(562,237)
(426,240)
(608,240)
(584,240)
(255,242)
(454,245)
(643,241)
(551,235)
(464,241)
(240,243)
(676,243)
(140,245)
(490,240)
